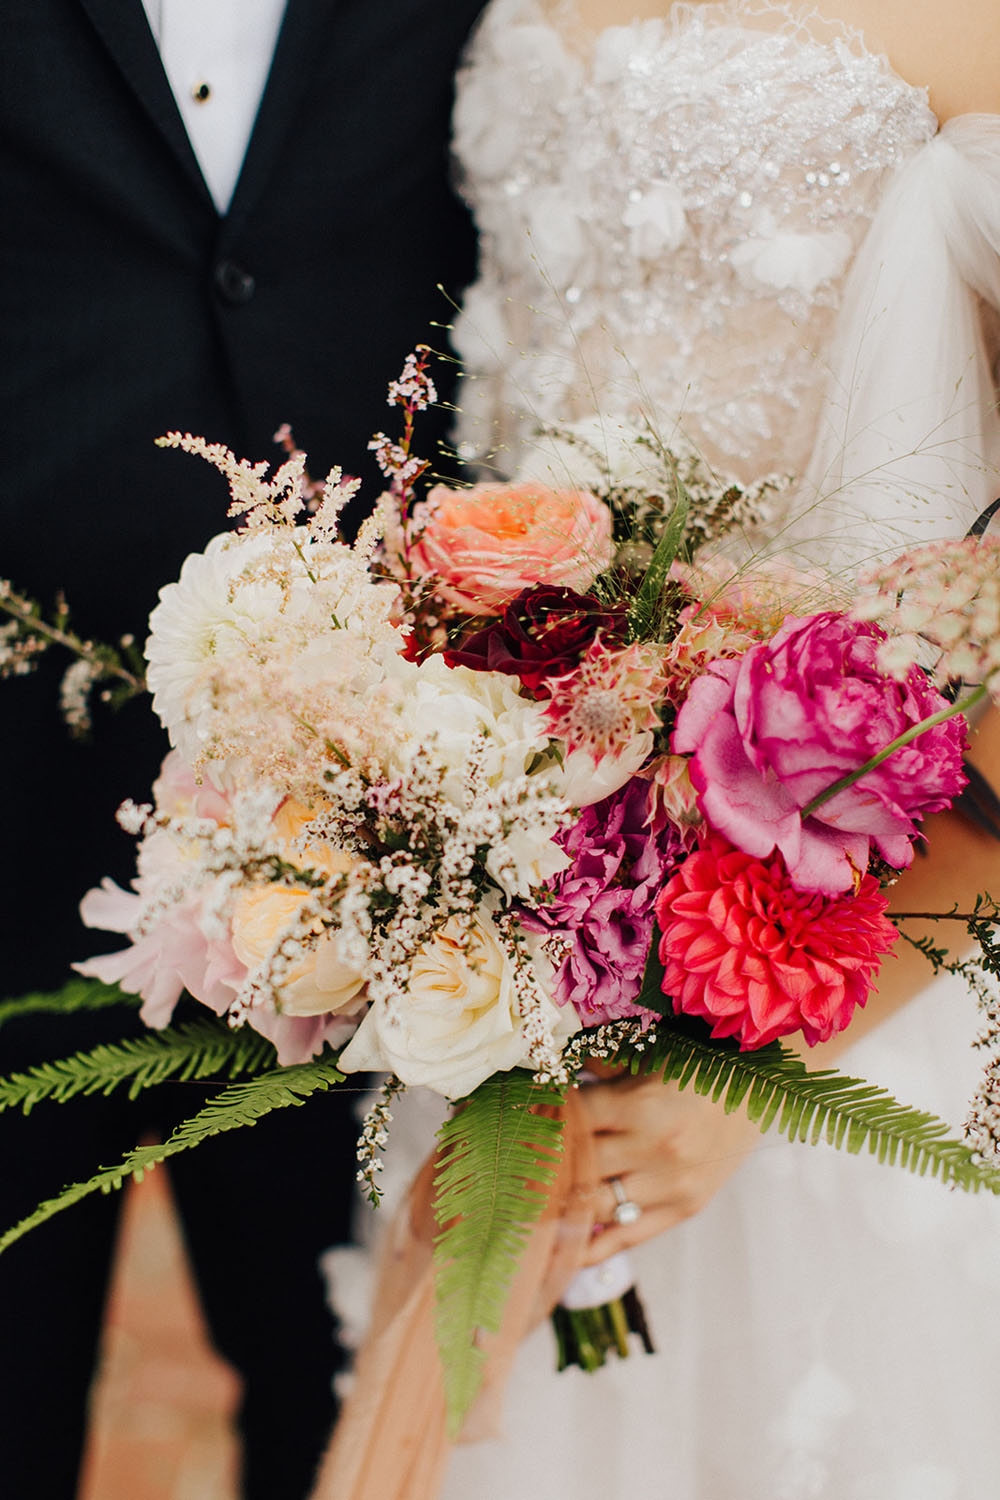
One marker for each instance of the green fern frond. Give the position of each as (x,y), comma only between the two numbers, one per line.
(496,1160)
(206,1048)
(777,1089)
(239,1105)
(78,994)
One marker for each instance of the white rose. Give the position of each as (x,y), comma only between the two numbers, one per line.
(459,1021)
(525,859)
(444,712)
(584,780)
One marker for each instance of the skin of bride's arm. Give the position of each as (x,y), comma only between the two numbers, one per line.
(673,1149)
(953,49)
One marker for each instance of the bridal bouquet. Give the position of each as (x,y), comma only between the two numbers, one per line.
(519,780)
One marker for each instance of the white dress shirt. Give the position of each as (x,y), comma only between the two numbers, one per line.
(217,55)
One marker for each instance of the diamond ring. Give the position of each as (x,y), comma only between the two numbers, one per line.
(626,1211)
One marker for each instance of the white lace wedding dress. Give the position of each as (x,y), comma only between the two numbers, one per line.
(747,223)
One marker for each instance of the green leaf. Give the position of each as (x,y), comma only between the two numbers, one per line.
(77,995)
(496,1160)
(651,995)
(776,1088)
(206,1048)
(644,613)
(236,1107)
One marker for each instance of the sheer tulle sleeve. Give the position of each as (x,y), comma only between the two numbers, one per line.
(908,445)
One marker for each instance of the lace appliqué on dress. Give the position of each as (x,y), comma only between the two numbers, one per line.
(682,199)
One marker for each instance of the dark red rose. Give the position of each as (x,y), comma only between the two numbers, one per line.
(542,633)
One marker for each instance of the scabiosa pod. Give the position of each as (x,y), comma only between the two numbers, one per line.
(945,594)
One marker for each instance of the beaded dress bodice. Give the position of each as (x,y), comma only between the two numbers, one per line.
(667,212)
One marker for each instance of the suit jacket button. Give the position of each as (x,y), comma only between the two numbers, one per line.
(233,284)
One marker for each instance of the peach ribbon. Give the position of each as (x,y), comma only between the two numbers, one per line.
(391,1442)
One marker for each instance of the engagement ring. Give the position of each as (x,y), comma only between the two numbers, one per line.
(627,1211)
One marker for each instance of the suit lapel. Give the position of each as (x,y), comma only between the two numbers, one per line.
(301,32)
(122,27)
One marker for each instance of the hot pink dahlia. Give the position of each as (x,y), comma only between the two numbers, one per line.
(748,952)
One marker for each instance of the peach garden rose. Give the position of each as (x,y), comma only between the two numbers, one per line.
(319,982)
(487,543)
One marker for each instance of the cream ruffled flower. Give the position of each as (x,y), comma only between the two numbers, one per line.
(457,719)
(447,713)
(319,982)
(201,622)
(460,1021)
(264,652)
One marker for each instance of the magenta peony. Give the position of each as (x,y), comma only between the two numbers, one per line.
(748,952)
(488,543)
(773,728)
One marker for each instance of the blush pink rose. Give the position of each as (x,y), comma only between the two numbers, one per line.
(758,959)
(771,729)
(488,543)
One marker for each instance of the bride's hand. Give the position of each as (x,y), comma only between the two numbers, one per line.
(671,1150)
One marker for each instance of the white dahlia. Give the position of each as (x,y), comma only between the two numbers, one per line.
(202,621)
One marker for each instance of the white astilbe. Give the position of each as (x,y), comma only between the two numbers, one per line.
(74,694)
(374,1138)
(982,1126)
(263,503)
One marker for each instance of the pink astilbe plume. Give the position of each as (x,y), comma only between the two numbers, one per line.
(759,959)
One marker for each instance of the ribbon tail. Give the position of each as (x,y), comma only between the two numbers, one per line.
(391,1442)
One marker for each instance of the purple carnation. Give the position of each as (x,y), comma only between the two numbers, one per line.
(772,729)
(603,903)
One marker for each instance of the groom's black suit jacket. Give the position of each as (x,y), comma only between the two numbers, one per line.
(130,308)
